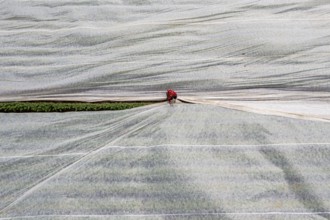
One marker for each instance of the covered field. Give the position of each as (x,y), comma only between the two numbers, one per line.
(248,138)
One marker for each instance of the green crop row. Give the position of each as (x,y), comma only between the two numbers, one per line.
(66,106)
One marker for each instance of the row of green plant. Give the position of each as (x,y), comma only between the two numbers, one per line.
(66,106)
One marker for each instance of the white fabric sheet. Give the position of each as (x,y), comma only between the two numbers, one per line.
(163,162)
(254,145)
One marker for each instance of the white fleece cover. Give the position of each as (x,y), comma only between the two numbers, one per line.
(254,144)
